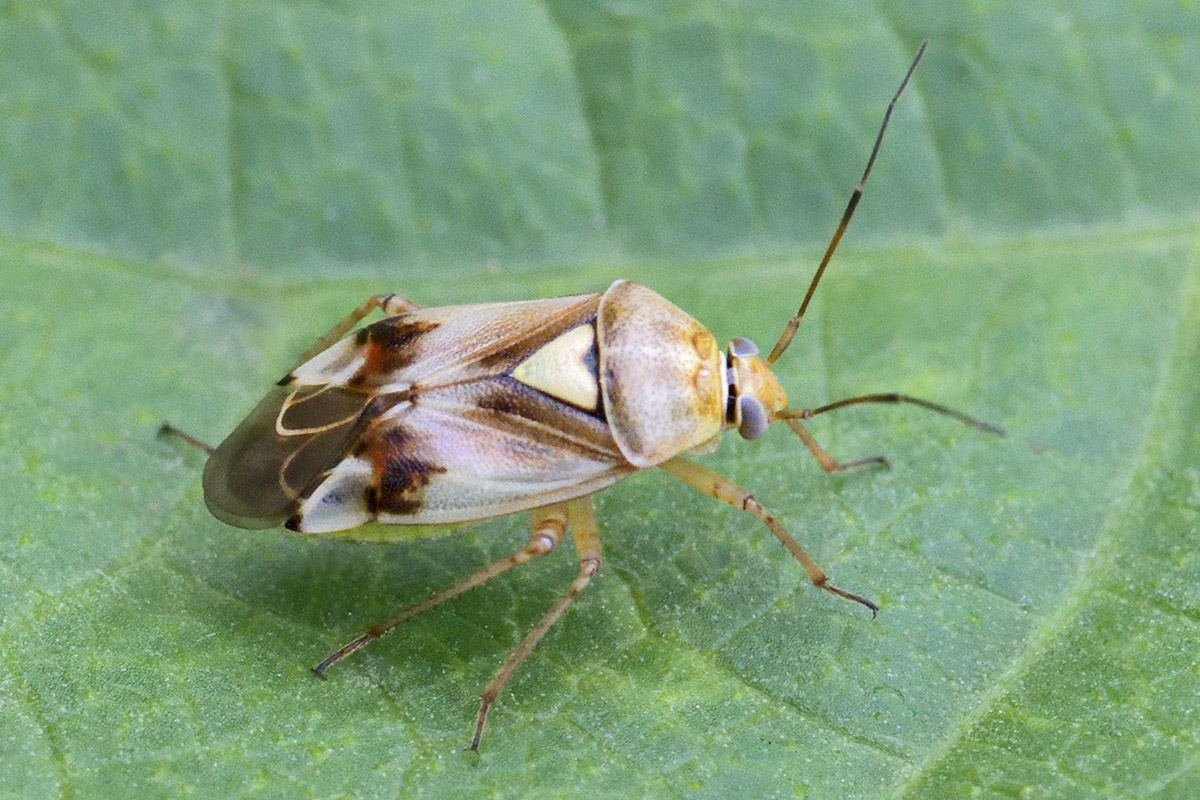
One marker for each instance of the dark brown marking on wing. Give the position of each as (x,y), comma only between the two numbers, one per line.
(524,412)
(389,345)
(402,476)
(591,360)
(511,351)
(505,358)
(503,401)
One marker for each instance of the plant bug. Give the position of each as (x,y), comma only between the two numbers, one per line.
(443,416)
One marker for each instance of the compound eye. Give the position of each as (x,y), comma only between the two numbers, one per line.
(741,347)
(753,417)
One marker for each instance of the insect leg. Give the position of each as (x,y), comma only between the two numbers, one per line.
(167,429)
(586,533)
(546,531)
(828,462)
(712,483)
(392,304)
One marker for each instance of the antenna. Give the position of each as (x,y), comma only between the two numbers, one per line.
(789,331)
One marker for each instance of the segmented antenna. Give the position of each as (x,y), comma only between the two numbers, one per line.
(789,331)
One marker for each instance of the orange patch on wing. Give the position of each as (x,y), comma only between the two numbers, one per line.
(388,345)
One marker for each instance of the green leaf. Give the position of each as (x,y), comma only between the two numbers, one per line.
(191,193)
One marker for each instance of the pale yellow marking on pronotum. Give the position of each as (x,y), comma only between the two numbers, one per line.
(562,370)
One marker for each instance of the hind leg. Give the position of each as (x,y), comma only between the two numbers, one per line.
(586,533)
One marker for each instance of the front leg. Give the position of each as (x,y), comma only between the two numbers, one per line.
(714,484)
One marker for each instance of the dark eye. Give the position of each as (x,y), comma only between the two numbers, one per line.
(754,417)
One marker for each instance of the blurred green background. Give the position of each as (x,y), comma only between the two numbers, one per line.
(191,192)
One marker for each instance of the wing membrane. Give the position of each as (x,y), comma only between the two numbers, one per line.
(258,475)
